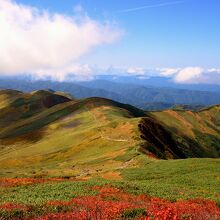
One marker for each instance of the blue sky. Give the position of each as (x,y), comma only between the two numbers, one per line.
(168,34)
(78,39)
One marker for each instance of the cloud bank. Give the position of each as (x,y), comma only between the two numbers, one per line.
(196,75)
(187,75)
(45,44)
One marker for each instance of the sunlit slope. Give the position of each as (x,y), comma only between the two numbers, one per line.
(50,133)
(78,138)
(197,134)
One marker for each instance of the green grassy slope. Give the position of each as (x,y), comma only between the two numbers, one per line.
(77,138)
(100,140)
(175,179)
(48,133)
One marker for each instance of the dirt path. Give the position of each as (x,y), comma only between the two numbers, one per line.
(98,122)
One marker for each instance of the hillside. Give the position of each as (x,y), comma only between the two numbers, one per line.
(182,134)
(65,135)
(197,134)
(158,106)
(57,151)
(17,106)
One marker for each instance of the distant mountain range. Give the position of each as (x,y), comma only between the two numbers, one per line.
(158,81)
(145,97)
(141,96)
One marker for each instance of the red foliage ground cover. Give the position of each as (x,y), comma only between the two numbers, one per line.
(111,203)
(11,182)
(10,206)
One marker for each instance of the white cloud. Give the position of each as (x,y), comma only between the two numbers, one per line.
(48,44)
(136,70)
(188,74)
(191,75)
(74,72)
(140,72)
(217,70)
(197,75)
(168,71)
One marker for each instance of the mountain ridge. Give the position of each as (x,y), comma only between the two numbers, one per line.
(81,131)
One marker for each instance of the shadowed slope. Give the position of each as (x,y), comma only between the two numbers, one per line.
(16,106)
(7,96)
(192,134)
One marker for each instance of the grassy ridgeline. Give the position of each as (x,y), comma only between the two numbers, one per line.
(98,139)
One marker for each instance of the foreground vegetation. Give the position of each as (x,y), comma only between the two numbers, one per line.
(159,189)
(112,203)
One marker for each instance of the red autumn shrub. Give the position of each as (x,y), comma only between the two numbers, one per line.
(11,206)
(99,207)
(11,182)
(112,203)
